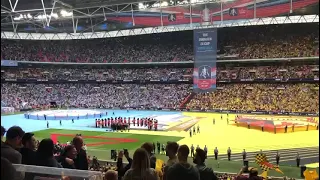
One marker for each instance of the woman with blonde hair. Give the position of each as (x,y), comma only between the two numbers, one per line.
(140,169)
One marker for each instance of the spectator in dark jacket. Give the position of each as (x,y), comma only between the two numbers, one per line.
(206,173)
(7,170)
(45,154)
(13,142)
(122,170)
(149,148)
(182,169)
(81,161)
(28,151)
(71,153)
(171,151)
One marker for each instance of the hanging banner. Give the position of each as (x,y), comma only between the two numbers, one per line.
(205,57)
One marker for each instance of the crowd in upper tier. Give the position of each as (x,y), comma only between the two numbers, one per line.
(278,41)
(223,73)
(268,97)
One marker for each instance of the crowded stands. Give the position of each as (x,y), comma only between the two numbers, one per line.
(285,41)
(164,74)
(265,97)
(94,95)
(261,42)
(22,148)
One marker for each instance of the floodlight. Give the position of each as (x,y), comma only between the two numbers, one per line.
(164,4)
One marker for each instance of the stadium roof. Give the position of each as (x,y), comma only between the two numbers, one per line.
(62,15)
(70,19)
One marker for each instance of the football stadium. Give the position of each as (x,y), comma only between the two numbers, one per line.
(160,90)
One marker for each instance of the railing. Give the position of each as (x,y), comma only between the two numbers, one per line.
(160,81)
(39,172)
(162,63)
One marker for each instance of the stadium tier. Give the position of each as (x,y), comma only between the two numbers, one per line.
(285,41)
(95,95)
(139,104)
(264,97)
(267,97)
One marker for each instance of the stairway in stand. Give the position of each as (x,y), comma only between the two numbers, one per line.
(187,100)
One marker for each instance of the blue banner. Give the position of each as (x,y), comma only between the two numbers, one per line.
(9,63)
(205,57)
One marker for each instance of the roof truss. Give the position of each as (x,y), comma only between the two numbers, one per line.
(152,30)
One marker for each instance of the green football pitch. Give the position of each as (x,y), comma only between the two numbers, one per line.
(100,144)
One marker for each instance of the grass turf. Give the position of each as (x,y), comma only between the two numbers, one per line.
(103,151)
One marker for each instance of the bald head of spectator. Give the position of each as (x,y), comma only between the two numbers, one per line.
(77,142)
(183,153)
(111,175)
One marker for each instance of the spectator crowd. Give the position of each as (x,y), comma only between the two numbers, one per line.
(266,97)
(281,41)
(23,148)
(91,95)
(284,41)
(165,74)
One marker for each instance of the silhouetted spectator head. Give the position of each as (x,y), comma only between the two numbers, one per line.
(77,142)
(253,172)
(3,131)
(140,160)
(111,175)
(70,151)
(7,170)
(172,148)
(29,141)
(14,136)
(183,153)
(148,147)
(46,148)
(200,156)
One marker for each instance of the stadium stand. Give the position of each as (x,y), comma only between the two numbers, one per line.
(89,95)
(267,97)
(261,42)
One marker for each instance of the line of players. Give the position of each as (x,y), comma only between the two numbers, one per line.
(122,123)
